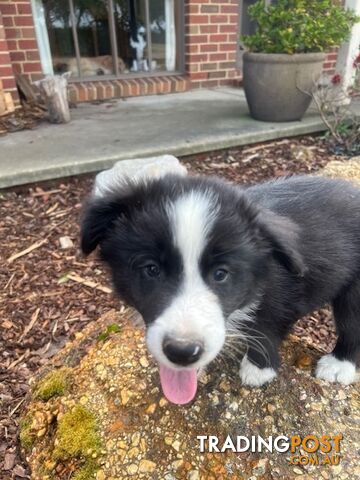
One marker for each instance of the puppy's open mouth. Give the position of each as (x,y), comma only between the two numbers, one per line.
(179,386)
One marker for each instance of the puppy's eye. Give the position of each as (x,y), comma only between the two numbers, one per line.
(152,270)
(220,275)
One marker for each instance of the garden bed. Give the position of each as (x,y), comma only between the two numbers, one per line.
(49,293)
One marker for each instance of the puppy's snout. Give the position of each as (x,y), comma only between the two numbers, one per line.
(182,352)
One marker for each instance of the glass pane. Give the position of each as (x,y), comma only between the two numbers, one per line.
(93,32)
(163,21)
(58,23)
(130,25)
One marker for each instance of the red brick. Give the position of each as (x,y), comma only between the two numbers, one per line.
(12,45)
(28,32)
(233,28)
(32,55)
(8,83)
(24,8)
(199,76)
(28,44)
(209,48)
(8,8)
(197,58)
(32,67)
(8,21)
(12,33)
(209,28)
(218,19)
(209,8)
(17,56)
(6,71)
(197,19)
(229,9)
(197,39)
(218,38)
(215,57)
(24,21)
(227,47)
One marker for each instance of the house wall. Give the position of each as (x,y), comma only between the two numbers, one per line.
(21,38)
(210,49)
(211,42)
(6,68)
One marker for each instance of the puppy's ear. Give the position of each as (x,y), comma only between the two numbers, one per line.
(98,218)
(283,235)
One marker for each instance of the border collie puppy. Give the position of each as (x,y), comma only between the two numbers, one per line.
(203,260)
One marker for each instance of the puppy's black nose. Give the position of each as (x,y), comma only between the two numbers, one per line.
(182,352)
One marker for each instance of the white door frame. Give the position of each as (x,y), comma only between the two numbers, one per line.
(349,50)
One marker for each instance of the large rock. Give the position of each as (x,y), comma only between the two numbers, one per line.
(136,169)
(100,414)
(349,170)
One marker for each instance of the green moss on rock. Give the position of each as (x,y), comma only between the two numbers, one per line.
(86,472)
(27,438)
(113,328)
(76,435)
(55,383)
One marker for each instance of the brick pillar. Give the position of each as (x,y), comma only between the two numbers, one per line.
(211,41)
(6,69)
(21,37)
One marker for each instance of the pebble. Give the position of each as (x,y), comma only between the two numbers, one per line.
(100,475)
(176,445)
(151,408)
(125,396)
(193,475)
(132,469)
(260,468)
(298,471)
(66,242)
(144,362)
(177,464)
(135,439)
(146,466)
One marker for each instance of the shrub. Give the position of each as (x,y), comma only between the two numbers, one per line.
(299,26)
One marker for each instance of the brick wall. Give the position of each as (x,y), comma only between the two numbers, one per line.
(6,69)
(330,61)
(21,38)
(211,38)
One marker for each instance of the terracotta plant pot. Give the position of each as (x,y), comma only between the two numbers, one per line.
(276,84)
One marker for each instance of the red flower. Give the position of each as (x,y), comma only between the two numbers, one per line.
(357,61)
(336,79)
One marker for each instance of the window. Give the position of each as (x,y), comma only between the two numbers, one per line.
(114,38)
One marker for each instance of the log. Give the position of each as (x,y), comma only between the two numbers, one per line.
(26,88)
(53,89)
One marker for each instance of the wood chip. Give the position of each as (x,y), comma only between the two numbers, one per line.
(27,250)
(33,320)
(88,283)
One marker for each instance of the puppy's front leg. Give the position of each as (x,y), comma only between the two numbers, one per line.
(260,364)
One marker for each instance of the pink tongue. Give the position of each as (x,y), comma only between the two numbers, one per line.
(179,386)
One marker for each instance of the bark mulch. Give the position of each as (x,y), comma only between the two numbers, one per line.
(49,291)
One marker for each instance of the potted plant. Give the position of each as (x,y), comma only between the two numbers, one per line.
(286,54)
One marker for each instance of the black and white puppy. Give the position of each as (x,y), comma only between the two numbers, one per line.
(202,260)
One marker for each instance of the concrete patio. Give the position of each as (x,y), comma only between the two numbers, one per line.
(100,135)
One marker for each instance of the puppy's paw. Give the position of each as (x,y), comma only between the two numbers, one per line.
(334,370)
(254,376)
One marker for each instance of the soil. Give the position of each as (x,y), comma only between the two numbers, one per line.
(49,291)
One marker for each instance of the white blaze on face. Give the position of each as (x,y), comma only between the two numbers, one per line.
(195,313)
